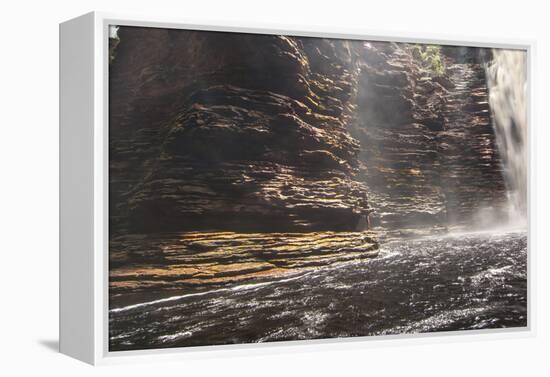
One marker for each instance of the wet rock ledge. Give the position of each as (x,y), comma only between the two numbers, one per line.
(197,260)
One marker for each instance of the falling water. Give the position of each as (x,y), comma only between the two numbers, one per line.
(506,79)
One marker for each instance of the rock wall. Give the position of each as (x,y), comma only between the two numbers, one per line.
(271,133)
(428,152)
(233,132)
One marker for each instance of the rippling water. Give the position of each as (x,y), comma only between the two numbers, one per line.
(469,281)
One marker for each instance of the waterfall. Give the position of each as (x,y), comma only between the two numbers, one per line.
(507,83)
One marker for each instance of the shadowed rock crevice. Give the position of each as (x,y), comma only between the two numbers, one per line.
(428,152)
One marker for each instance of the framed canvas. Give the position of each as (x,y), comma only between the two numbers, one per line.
(230,188)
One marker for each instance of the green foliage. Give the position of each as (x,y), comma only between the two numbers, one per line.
(430,58)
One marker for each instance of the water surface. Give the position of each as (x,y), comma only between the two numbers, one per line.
(461,282)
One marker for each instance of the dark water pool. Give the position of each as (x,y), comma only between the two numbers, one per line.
(468,281)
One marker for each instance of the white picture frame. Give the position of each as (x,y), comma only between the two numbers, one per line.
(84,189)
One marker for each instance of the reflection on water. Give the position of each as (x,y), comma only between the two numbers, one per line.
(470,281)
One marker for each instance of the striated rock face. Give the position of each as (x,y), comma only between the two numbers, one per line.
(191,261)
(428,149)
(471,167)
(400,118)
(237,156)
(233,132)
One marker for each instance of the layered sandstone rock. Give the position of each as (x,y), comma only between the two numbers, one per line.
(233,132)
(428,150)
(191,261)
(216,137)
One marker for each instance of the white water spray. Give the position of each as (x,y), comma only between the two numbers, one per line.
(507,82)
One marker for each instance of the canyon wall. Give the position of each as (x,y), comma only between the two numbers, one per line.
(271,133)
(238,156)
(428,152)
(233,132)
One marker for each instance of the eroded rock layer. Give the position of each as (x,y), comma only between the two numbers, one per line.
(233,132)
(217,136)
(185,262)
(428,150)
